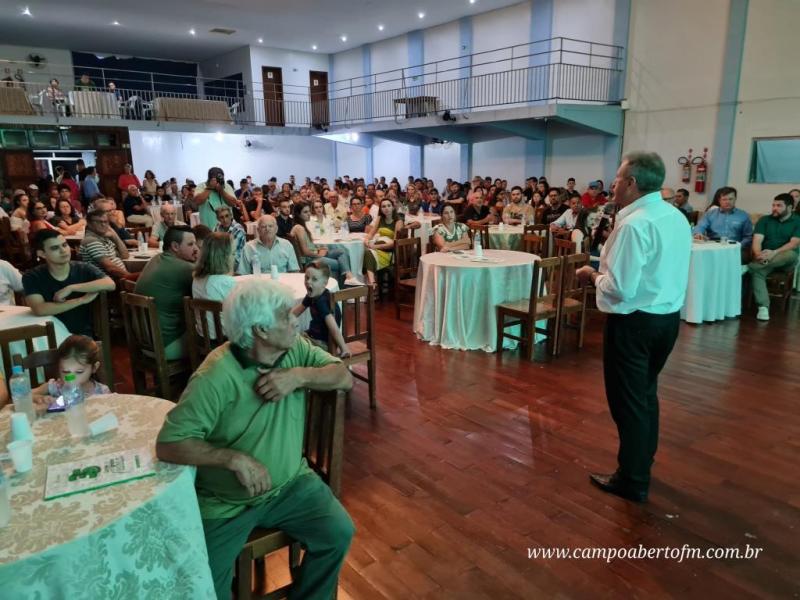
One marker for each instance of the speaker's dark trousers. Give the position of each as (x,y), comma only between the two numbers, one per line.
(635,349)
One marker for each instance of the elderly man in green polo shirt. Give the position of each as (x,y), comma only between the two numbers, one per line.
(241,422)
(214,194)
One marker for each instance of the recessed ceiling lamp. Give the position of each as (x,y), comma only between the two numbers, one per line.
(380,27)
(115,23)
(313,46)
(472,1)
(421,15)
(192,32)
(27,12)
(260,40)
(343,38)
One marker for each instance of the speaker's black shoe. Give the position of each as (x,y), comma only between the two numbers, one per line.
(614,485)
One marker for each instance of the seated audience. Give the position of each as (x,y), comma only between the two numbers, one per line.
(169,218)
(726,222)
(61,287)
(593,195)
(66,220)
(433,203)
(558,206)
(320,224)
(226,224)
(19,215)
(116,221)
(89,188)
(102,247)
(380,241)
(80,356)
(682,202)
(451,235)
(668,195)
(149,183)
(201,232)
(284,218)
(256,205)
(477,213)
(358,220)
(213,275)
(334,210)
(240,421)
(65,193)
(10,282)
(37,218)
(168,278)
(136,208)
(325,323)
(517,212)
(270,250)
(74,191)
(775,248)
(566,222)
(337,259)
(127,179)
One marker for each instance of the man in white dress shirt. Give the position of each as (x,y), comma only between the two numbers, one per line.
(641,285)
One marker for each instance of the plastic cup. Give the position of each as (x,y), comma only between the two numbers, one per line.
(20,427)
(273,271)
(107,422)
(21,453)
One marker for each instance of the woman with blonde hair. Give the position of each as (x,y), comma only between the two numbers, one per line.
(213,275)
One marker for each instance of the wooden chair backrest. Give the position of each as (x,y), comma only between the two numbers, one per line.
(403,233)
(435,223)
(536,244)
(142,327)
(102,333)
(570,286)
(323,443)
(406,257)
(542,231)
(545,283)
(126,285)
(562,247)
(196,313)
(358,315)
(26,334)
(483,231)
(538,214)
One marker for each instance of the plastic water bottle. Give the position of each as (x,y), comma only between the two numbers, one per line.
(142,244)
(256,264)
(345,228)
(5,501)
(478,248)
(21,393)
(74,400)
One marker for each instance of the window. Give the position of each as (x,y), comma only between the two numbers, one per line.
(775,160)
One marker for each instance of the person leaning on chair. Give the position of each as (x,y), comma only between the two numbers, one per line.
(641,284)
(775,247)
(241,421)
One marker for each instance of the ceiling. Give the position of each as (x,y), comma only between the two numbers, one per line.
(158,29)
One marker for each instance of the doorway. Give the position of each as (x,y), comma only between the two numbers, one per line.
(272,80)
(318,86)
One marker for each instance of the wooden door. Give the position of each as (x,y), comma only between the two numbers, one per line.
(110,165)
(272,79)
(19,169)
(318,86)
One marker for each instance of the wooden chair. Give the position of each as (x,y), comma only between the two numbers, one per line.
(538,214)
(25,334)
(323,448)
(102,333)
(572,299)
(358,318)
(534,244)
(47,361)
(542,231)
(430,247)
(403,233)
(562,247)
(126,285)
(146,346)
(406,262)
(483,231)
(435,223)
(780,284)
(542,303)
(196,312)
(694,217)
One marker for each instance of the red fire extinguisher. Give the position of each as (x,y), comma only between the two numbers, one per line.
(686,167)
(701,173)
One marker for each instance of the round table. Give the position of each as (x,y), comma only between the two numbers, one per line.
(509,237)
(714,291)
(456,297)
(138,539)
(137,260)
(297,283)
(425,230)
(352,243)
(22,316)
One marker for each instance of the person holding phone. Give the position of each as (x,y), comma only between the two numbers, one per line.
(214,194)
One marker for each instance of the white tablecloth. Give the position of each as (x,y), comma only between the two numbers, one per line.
(352,243)
(137,261)
(20,316)
(297,283)
(425,230)
(139,539)
(509,237)
(456,298)
(94,104)
(714,291)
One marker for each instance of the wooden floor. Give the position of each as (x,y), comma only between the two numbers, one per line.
(472,458)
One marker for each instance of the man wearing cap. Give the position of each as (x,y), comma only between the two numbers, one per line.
(33,193)
(591,197)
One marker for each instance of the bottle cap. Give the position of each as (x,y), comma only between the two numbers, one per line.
(69,377)
(16,369)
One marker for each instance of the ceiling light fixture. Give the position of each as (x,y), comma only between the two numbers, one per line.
(313,46)
(192,32)
(472,1)
(380,27)
(260,40)
(343,38)
(27,12)
(115,23)
(421,15)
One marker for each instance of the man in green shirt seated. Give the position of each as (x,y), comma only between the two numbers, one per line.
(241,421)
(168,278)
(775,247)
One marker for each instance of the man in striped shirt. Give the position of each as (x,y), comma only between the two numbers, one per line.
(102,247)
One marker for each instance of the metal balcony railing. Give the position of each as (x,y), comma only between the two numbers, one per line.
(557,69)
